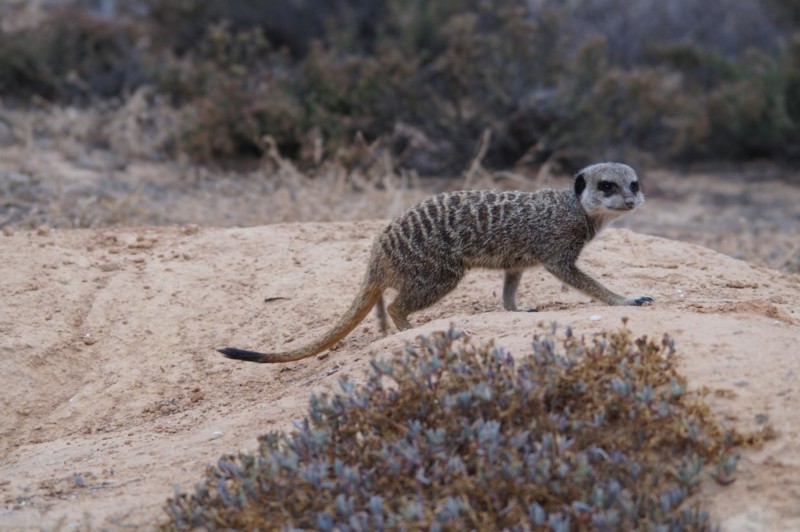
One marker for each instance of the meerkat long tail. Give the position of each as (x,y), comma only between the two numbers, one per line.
(370,293)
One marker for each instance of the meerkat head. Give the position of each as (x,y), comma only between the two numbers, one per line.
(608,190)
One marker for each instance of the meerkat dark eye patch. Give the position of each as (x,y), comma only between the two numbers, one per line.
(635,187)
(580,184)
(607,187)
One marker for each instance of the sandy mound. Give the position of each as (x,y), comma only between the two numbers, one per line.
(112,392)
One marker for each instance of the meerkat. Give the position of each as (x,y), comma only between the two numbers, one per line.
(425,252)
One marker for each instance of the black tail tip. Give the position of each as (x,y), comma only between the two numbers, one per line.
(241,354)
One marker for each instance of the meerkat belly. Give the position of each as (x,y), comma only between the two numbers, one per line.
(502,250)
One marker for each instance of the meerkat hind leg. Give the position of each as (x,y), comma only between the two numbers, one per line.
(418,296)
(380,313)
(399,316)
(510,285)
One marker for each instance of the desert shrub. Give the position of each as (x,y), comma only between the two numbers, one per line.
(737,109)
(19,72)
(232,119)
(235,96)
(633,27)
(447,85)
(579,434)
(430,81)
(432,78)
(787,13)
(180,26)
(71,56)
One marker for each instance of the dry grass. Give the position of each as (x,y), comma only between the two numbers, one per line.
(99,167)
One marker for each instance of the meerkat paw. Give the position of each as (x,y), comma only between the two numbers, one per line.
(639,301)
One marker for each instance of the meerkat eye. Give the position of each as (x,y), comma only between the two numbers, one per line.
(606,186)
(635,187)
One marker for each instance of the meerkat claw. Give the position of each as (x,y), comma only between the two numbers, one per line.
(642,300)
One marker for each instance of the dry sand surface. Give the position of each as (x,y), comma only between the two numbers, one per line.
(112,392)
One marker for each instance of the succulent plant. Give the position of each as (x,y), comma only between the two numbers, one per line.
(579,434)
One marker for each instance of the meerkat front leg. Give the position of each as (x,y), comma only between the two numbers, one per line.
(510,285)
(575,277)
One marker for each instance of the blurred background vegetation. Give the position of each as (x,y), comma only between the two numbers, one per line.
(673,82)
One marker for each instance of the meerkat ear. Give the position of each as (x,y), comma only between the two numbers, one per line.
(580,184)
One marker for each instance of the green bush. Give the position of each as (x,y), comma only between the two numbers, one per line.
(597,434)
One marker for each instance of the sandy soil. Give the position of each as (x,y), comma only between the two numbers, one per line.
(112,392)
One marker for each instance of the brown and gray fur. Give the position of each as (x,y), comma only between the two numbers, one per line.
(424,253)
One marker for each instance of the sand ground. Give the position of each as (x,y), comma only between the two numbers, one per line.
(112,391)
